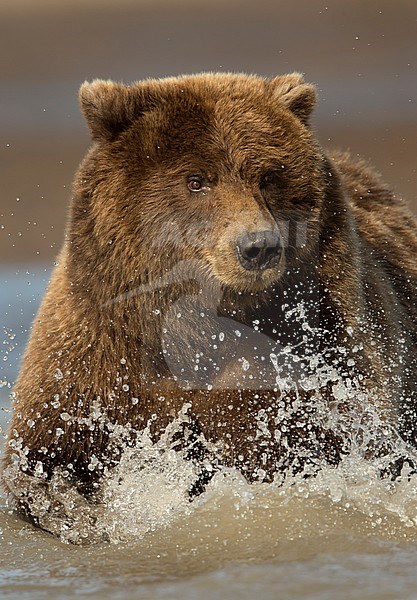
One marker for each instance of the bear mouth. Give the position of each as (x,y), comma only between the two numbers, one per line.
(259,279)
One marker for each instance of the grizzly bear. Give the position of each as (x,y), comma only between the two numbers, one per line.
(216,258)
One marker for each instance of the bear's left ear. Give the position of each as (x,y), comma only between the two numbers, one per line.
(299,97)
(108,107)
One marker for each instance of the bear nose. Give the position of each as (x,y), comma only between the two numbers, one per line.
(259,250)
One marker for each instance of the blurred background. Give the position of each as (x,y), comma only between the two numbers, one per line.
(361,54)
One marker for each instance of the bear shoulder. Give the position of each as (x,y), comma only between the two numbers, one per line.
(383,218)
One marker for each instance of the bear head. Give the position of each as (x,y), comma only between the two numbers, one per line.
(211,170)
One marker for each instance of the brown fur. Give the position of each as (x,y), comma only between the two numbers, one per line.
(139,245)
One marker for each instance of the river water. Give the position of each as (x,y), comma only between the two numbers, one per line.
(346,533)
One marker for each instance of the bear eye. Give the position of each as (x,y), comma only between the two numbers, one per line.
(269,178)
(195,183)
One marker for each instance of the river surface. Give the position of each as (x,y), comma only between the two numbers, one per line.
(344,534)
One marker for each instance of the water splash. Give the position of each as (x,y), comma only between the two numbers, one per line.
(149,490)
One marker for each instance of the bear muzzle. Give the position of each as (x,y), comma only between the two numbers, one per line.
(259,250)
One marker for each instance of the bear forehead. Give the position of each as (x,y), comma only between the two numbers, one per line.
(204,135)
(202,117)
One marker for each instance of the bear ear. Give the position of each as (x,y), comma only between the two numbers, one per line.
(108,107)
(299,97)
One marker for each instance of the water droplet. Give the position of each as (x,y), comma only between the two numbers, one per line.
(38,471)
(55,402)
(58,374)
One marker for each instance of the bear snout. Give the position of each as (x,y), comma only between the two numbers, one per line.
(259,250)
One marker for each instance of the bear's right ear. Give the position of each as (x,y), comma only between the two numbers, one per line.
(109,108)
